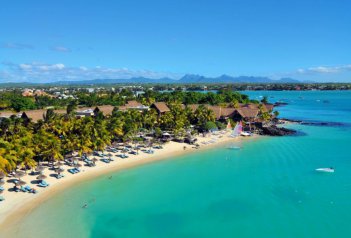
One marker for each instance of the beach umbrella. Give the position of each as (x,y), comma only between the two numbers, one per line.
(59,170)
(21,183)
(19,174)
(59,163)
(2,175)
(39,168)
(41,177)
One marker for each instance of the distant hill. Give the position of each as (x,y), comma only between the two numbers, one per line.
(192,78)
(186,79)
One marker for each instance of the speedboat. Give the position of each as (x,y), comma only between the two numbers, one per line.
(325,170)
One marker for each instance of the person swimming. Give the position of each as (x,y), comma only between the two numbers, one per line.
(85,206)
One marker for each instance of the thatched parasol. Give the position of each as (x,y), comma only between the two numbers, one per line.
(19,174)
(59,170)
(94,159)
(2,182)
(2,175)
(41,177)
(77,165)
(39,168)
(59,163)
(21,183)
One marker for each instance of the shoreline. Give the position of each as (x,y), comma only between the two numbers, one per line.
(18,205)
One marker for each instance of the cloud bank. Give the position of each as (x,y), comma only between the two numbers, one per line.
(43,72)
(325,69)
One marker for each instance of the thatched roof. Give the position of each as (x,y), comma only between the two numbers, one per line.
(222,112)
(34,115)
(269,107)
(106,109)
(161,107)
(247,112)
(133,103)
(130,105)
(219,111)
(9,114)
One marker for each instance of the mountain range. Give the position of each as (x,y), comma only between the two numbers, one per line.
(186,79)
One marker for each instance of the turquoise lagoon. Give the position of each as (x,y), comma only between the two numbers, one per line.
(267,189)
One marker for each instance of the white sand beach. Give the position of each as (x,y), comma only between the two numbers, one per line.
(18,204)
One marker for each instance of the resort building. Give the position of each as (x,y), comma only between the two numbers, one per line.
(246,112)
(133,105)
(85,113)
(161,107)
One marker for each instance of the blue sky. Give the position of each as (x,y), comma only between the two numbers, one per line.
(45,40)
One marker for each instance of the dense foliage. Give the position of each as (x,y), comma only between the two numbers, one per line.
(24,144)
(16,102)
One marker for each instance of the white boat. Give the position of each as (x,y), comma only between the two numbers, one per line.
(246,133)
(325,170)
(234,147)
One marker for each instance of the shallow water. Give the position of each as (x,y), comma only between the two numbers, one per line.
(267,189)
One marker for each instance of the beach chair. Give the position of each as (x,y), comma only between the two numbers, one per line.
(43,184)
(2,198)
(105,160)
(149,151)
(123,156)
(2,188)
(28,188)
(77,170)
(72,171)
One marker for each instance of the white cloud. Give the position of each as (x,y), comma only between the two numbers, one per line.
(18,46)
(42,72)
(61,49)
(325,69)
(25,66)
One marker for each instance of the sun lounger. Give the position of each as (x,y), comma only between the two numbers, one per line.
(58,176)
(28,189)
(2,198)
(124,156)
(2,188)
(149,151)
(74,170)
(105,160)
(43,184)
